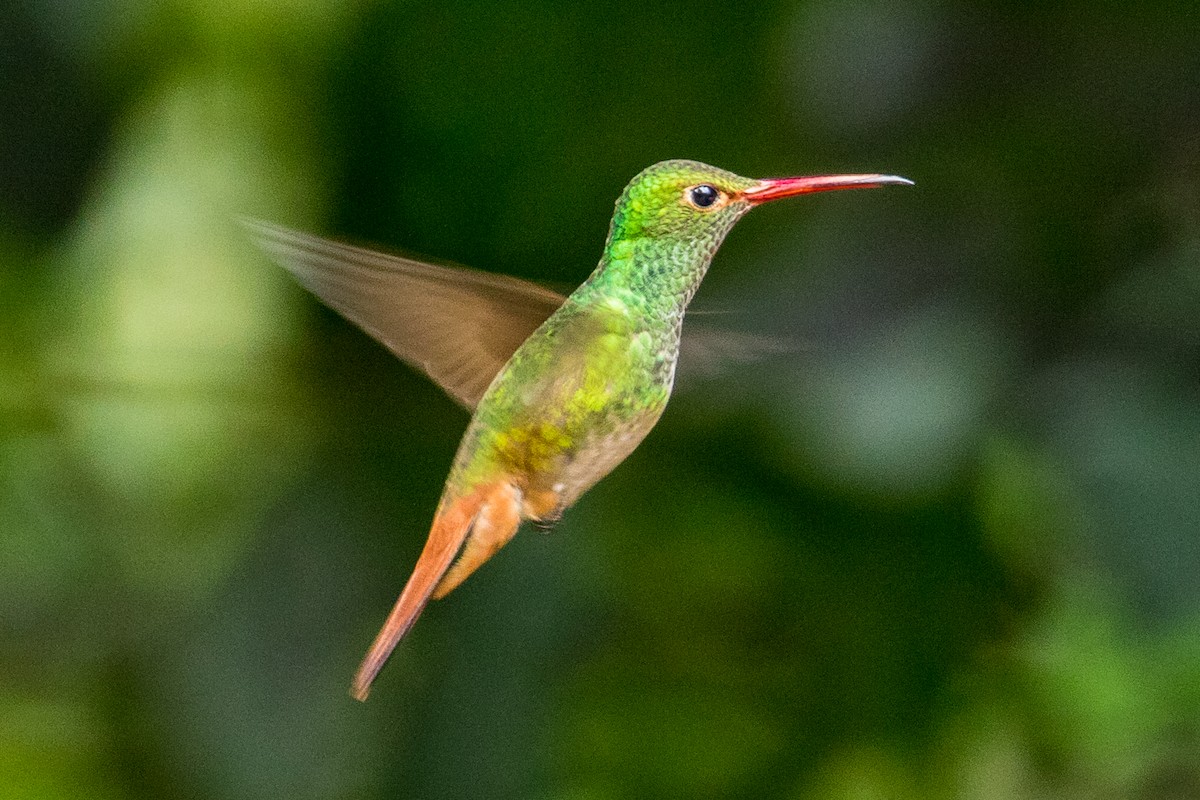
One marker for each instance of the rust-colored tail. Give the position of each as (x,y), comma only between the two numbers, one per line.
(449,530)
(495,525)
(490,514)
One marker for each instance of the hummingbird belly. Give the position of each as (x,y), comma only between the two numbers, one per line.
(554,452)
(557,458)
(600,454)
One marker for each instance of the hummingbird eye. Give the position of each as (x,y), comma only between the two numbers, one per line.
(702,196)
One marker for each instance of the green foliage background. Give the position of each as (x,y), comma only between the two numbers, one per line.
(950,550)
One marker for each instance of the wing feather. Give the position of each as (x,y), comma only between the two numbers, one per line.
(458,325)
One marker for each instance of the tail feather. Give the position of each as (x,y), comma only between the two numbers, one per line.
(495,525)
(450,528)
(478,525)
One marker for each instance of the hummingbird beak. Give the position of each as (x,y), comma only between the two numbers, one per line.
(777,188)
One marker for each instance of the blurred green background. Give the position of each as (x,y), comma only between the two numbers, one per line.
(949,550)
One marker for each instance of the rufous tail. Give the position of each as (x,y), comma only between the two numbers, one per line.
(496,524)
(484,520)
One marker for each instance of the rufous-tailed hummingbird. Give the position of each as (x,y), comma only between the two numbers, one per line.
(562,388)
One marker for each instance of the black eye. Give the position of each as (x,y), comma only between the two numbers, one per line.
(703,196)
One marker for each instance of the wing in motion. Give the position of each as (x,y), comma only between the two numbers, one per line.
(458,325)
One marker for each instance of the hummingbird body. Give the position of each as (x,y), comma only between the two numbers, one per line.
(580,390)
(586,387)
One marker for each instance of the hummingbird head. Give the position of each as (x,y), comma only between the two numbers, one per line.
(674,215)
(680,202)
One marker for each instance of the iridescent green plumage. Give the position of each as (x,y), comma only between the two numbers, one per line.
(589,379)
(586,387)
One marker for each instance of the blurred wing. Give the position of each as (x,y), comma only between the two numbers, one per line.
(706,351)
(457,325)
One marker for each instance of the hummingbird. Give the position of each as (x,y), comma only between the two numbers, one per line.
(562,389)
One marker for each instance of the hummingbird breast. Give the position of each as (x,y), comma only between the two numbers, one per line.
(573,402)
